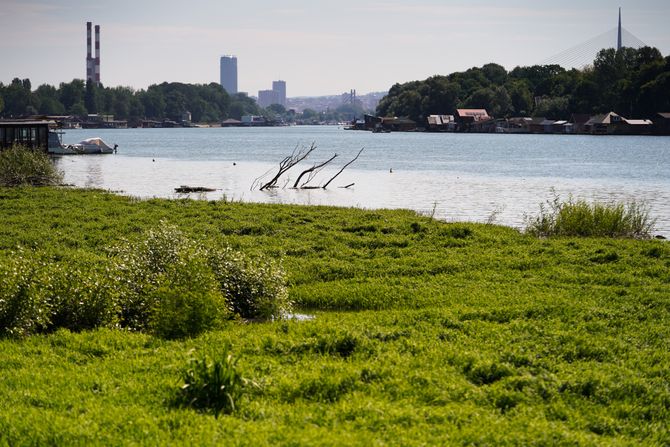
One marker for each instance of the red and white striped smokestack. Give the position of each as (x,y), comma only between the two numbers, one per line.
(88,39)
(97,54)
(89,59)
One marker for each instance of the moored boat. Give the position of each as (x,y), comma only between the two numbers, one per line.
(88,146)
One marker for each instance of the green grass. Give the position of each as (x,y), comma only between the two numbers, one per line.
(426,333)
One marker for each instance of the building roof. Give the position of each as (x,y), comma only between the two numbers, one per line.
(579,118)
(639,122)
(472,112)
(607,118)
(26,122)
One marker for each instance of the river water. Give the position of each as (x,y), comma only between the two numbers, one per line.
(455,177)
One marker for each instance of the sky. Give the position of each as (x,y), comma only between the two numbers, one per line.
(318,48)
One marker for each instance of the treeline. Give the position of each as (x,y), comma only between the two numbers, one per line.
(205,102)
(631,82)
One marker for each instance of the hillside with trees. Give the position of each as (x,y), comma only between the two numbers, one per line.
(632,82)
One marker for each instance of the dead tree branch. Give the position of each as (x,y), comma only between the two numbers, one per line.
(287,163)
(343,168)
(312,169)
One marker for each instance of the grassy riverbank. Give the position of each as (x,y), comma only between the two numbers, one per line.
(425,333)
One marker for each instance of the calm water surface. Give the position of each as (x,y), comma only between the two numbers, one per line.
(456,177)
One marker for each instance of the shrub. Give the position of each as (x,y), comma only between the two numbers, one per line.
(188,300)
(80,293)
(167,286)
(20,165)
(141,267)
(22,310)
(579,218)
(212,385)
(254,289)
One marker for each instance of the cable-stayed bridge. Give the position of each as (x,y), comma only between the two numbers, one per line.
(583,54)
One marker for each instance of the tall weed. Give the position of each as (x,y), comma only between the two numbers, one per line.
(212,385)
(582,219)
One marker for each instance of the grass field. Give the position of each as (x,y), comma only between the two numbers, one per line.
(425,333)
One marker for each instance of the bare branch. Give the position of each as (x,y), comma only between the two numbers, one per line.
(312,169)
(287,163)
(343,168)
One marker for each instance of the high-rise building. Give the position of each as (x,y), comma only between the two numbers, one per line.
(267,97)
(229,74)
(93,64)
(275,96)
(280,88)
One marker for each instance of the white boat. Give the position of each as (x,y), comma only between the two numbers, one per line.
(88,146)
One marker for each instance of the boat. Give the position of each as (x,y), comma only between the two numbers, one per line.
(88,146)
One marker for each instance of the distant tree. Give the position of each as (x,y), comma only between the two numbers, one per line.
(501,105)
(520,96)
(91,97)
(553,108)
(496,74)
(72,93)
(78,109)
(135,110)
(482,98)
(309,114)
(278,109)
(153,102)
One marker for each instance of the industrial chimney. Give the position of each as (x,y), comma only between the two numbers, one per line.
(89,58)
(92,63)
(97,54)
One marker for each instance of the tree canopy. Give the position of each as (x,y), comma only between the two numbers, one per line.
(205,102)
(632,82)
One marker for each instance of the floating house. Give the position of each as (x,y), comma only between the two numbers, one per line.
(31,133)
(662,124)
(441,123)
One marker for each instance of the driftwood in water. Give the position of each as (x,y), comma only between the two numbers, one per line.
(287,163)
(298,155)
(187,189)
(343,168)
(312,171)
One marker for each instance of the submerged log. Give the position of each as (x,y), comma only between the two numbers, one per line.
(187,189)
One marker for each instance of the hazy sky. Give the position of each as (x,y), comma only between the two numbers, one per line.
(317,47)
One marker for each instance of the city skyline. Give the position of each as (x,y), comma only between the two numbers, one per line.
(319,49)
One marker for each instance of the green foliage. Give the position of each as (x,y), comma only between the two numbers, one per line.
(81,293)
(22,310)
(254,289)
(583,219)
(206,102)
(632,82)
(188,301)
(167,286)
(212,385)
(20,165)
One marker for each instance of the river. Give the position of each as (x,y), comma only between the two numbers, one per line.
(454,177)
